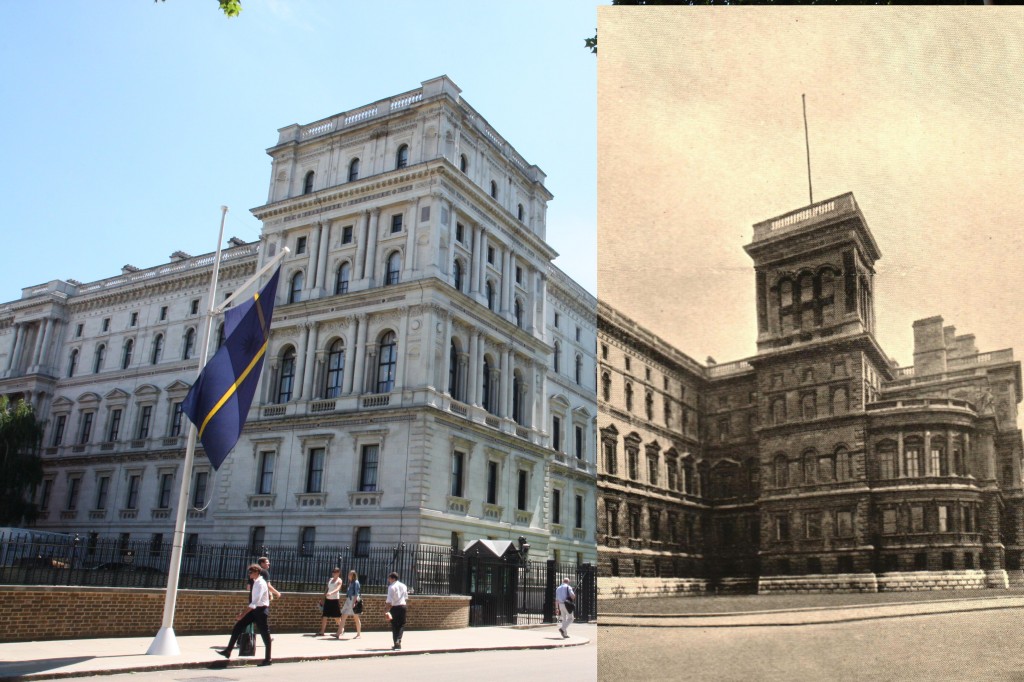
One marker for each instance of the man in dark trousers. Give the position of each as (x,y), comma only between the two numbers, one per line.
(255,612)
(398,595)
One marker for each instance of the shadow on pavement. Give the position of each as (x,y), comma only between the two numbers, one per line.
(18,668)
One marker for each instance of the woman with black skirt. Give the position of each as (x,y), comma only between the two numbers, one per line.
(331,605)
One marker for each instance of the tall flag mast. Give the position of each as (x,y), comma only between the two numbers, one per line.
(807,143)
(218,403)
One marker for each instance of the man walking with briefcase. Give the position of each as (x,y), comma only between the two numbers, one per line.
(255,612)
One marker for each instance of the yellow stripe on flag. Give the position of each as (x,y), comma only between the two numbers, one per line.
(234,387)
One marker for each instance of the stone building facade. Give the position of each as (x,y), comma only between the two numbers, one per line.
(817,464)
(430,375)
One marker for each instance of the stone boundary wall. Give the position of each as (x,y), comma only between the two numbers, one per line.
(620,588)
(916,581)
(885,582)
(42,612)
(838,582)
(737,586)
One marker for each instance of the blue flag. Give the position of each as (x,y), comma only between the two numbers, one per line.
(219,401)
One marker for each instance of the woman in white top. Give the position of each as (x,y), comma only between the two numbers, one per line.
(331,603)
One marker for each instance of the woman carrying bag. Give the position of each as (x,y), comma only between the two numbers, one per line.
(332,596)
(353,606)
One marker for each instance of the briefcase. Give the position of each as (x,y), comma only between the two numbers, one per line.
(247,642)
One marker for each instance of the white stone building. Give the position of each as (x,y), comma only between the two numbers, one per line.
(430,375)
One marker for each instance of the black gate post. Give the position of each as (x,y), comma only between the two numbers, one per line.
(549,592)
(586,608)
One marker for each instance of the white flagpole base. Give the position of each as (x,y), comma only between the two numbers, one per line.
(164,644)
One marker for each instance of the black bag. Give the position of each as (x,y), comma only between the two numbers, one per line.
(569,605)
(358,606)
(247,642)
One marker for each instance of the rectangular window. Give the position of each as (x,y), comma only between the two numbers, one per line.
(579,442)
(396,223)
(611,464)
(579,511)
(521,491)
(266,480)
(74,486)
(458,464)
(652,470)
(58,429)
(460,233)
(300,245)
(346,234)
(492,482)
(44,494)
(144,418)
(133,320)
(917,518)
(612,520)
(176,418)
(307,540)
(844,524)
(490,259)
(315,471)
(889,521)
(782,528)
(79,328)
(102,490)
(812,525)
(519,277)
(368,468)
(106,324)
(943,518)
(86,433)
(556,433)
(115,426)
(199,489)
(654,519)
(362,542)
(163,313)
(166,480)
(194,306)
(132,499)
(257,536)
(559,317)
(556,506)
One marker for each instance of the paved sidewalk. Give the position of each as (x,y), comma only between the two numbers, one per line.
(72,658)
(812,616)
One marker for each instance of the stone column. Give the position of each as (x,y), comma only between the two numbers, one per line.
(362,239)
(926,465)
(316,392)
(403,347)
(901,469)
(542,293)
(474,266)
(37,347)
(321,268)
(504,382)
(358,383)
(312,334)
(49,331)
(371,246)
(313,280)
(351,353)
(529,395)
(430,332)
(298,390)
(409,262)
(268,380)
(473,394)
(19,332)
(482,277)
(446,356)
(506,263)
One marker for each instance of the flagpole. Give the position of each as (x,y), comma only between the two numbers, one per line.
(807,143)
(226,303)
(165,643)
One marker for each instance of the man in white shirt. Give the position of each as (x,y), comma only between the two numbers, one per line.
(255,612)
(398,595)
(564,594)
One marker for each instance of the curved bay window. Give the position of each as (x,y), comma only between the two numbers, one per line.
(286,376)
(335,369)
(387,362)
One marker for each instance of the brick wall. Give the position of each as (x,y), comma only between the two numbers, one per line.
(33,613)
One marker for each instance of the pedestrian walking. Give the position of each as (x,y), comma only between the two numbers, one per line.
(264,563)
(565,598)
(353,606)
(398,597)
(331,607)
(255,612)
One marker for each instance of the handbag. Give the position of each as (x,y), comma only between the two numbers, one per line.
(358,606)
(569,605)
(247,642)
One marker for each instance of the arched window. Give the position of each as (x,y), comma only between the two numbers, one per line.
(335,369)
(520,212)
(341,278)
(494,189)
(190,344)
(286,376)
(295,289)
(457,274)
(808,409)
(629,397)
(97,365)
(463,163)
(486,397)
(519,313)
(453,371)
(778,410)
(826,468)
(73,362)
(606,386)
(840,401)
(158,348)
(394,268)
(649,405)
(307,184)
(810,466)
(387,362)
(826,310)
(557,359)
(353,169)
(126,353)
(886,452)
(579,369)
(402,156)
(220,335)
(489,290)
(781,471)
(844,465)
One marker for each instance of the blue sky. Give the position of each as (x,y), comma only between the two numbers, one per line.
(129,123)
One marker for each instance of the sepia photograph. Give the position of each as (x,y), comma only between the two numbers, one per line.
(809,251)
